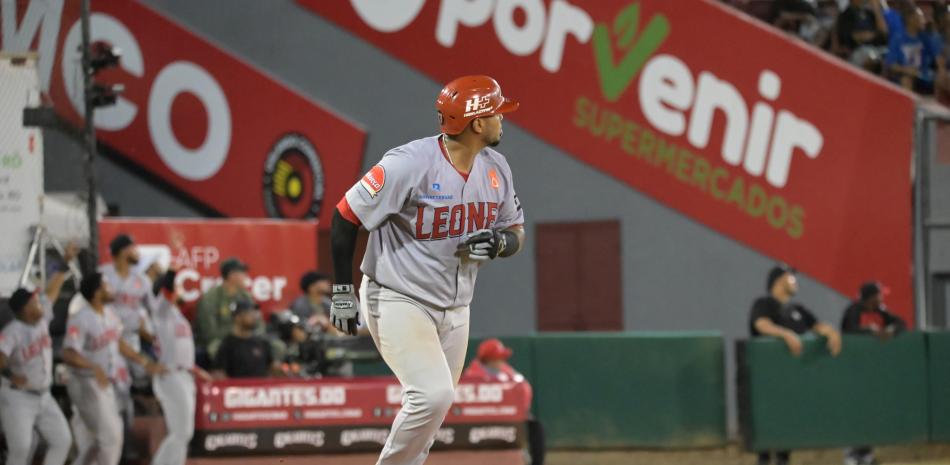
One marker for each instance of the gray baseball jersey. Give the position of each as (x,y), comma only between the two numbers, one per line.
(174,343)
(129,303)
(96,337)
(29,350)
(418,209)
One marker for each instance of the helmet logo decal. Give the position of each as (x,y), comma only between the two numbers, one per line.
(477,105)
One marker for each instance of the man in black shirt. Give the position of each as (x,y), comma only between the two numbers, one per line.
(776,315)
(243,354)
(862,31)
(868,315)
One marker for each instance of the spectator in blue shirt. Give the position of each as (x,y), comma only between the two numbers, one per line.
(911,56)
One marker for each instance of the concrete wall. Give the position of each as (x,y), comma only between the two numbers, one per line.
(677,274)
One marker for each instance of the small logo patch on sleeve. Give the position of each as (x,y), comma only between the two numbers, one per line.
(374,180)
(493,176)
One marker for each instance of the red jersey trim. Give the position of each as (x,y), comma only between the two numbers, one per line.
(347,213)
(446,155)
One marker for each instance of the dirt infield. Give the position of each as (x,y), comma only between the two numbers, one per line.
(733,455)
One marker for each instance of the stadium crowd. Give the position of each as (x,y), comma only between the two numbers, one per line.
(904,41)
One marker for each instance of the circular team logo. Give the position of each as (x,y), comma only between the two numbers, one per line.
(293,179)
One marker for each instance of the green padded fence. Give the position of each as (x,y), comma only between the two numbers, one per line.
(874,393)
(616,390)
(938,351)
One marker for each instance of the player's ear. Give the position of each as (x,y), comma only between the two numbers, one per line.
(477,125)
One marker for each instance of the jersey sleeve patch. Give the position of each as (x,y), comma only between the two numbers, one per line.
(374,180)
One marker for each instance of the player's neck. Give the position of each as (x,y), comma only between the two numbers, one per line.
(98,307)
(121,268)
(462,152)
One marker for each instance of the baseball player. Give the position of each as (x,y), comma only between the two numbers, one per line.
(93,349)
(26,355)
(437,208)
(175,389)
(130,288)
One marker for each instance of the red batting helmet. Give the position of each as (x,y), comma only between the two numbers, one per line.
(467,98)
(493,349)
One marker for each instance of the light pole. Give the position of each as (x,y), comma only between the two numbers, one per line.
(89,135)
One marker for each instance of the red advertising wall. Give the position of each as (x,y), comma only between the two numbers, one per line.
(755,136)
(203,121)
(267,416)
(277,252)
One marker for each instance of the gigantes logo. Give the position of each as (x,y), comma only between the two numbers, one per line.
(672,97)
(283,396)
(243,440)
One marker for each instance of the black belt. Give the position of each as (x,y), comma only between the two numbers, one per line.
(35,392)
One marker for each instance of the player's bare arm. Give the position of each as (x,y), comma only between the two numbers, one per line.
(17,380)
(145,335)
(767,328)
(150,366)
(72,358)
(833,336)
(56,281)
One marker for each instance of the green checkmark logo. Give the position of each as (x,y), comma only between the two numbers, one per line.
(616,77)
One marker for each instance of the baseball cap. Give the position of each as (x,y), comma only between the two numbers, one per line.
(311,277)
(19,299)
(777,272)
(242,305)
(231,265)
(493,349)
(871,289)
(285,321)
(119,243)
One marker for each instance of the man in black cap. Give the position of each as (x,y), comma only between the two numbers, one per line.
(303,355)
(868,315)
(313,307)
(242,353)
(213,319)
(776,315)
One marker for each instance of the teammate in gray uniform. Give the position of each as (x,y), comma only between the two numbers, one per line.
(26,353)
(93,348)
(175,389)
(437,209)
(130,288)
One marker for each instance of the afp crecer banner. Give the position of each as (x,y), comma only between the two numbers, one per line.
(277,252)
(761,138)
(203,121)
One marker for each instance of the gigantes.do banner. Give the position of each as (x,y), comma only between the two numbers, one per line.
(715,114)
(215,128)
(338,415)
(277,252)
